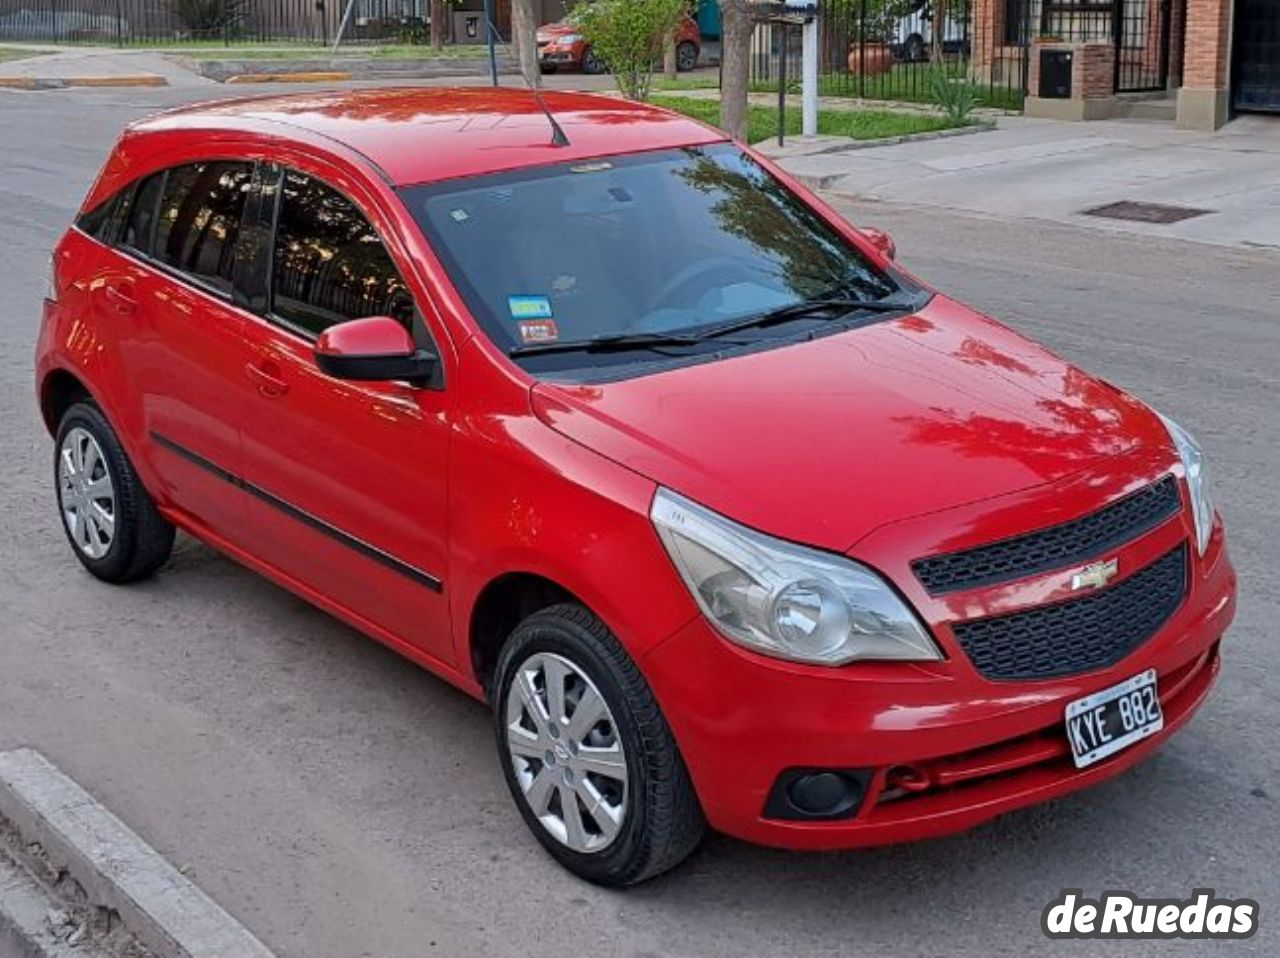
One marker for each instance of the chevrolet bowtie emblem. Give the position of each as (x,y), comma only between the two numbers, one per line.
(1095,575)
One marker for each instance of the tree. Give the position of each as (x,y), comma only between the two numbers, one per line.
(524,37)
(735,66)
(437,24)
(629,36)
(939,29)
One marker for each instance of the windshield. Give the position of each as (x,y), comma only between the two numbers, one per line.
(662,244)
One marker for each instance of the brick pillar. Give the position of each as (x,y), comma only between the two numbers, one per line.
(1093,70)
(1202,100)
(986,25)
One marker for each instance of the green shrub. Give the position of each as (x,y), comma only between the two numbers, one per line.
(955,96)
(208,16)
(628,36)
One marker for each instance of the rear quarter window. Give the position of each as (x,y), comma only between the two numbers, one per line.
(139,229)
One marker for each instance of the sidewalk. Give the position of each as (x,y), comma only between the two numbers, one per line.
(1048,170)
(96,66)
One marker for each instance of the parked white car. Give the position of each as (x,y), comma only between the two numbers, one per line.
(912,34)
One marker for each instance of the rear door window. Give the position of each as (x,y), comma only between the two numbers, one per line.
(199,220)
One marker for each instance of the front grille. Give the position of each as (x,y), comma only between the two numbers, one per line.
(1053,548)
(1078,635)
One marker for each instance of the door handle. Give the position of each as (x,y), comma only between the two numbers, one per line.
(121,299)
(266,378)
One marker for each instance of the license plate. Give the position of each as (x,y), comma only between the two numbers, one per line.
(1103,723)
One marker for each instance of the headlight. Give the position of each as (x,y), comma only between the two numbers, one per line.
(1197,481)
(783,599)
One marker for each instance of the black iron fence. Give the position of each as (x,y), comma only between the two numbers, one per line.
(129,22)
(902,49)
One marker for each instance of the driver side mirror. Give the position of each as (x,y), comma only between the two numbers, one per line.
(376,348)
(881,241)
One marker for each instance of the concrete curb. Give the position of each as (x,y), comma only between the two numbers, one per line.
(117,870)
(340,68)
(62,83)
(316,76)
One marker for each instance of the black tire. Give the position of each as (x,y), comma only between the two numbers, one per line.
(593,64)
(142,539)
(913,51)
(663,821)
(547,68)
(686,56)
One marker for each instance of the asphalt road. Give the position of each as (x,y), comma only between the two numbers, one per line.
(343,803)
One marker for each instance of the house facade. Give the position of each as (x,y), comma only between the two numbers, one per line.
(1207,59)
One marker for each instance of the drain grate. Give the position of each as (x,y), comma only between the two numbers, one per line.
(1145,212)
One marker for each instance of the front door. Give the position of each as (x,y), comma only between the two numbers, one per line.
(1255,74)
(346,481)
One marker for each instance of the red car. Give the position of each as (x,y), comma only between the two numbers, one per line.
(562,45)
(605,420)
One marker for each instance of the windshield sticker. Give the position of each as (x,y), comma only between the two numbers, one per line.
(529,307)
(538,331)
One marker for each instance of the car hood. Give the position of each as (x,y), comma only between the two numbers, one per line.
(820,442)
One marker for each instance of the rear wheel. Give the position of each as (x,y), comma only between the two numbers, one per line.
(110,520)
(686,56)
(588,756)
(913,51)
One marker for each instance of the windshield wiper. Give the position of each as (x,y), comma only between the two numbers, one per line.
(623,341)
(806,309)
(606,343)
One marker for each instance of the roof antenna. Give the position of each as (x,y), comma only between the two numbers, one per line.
(557,132)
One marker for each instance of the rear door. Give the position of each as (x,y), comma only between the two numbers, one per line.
(347,481)
(170,286)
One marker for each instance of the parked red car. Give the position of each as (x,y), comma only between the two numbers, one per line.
(562,46)
(730,518)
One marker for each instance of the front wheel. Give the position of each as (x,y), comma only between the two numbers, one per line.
(592,64)
(686,56)
(588,756)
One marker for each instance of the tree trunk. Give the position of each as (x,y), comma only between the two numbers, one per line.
(524,38)
(939,26)
(437,24)
(735,67)
(669,69)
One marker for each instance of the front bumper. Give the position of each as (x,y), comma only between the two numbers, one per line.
(983,747)
(554,57)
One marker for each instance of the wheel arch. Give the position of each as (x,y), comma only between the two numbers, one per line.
(60,389)
(502,604)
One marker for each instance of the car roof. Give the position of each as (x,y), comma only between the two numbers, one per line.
(422,135)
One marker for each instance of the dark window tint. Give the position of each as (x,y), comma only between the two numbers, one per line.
(140,228)
(200,220)
(329,264)
(96,220)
